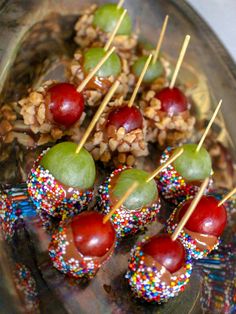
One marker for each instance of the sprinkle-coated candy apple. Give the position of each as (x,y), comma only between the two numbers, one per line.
(130,118)
(140,208)
(79,247)
(201,233)
(159,268)
(107,16)
(168,253)
(61,181)
(153,71)
(65,104)
(182,178)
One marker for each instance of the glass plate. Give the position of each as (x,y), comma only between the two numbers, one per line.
(36,40)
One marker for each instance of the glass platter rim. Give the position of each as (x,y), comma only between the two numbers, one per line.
(205,27)
(189,12)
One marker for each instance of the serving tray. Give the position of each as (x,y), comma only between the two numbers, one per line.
(36,40)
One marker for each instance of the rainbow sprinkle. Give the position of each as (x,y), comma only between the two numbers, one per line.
(48,195)
(188,242)
(125,221)
(72,267)
(8,217)
(145,281)
(14,206)
(26,284)
(171,184)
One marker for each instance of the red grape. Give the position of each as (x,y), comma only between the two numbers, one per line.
(168,253)
(207,217)
(65,103)
(92,237)
(129,118)
(173,101)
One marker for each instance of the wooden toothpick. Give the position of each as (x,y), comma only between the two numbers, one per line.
(131,101)
(227,196)
(166,164)
(97,115)
(180,60)
(94,71)
(190,210)
(208,126)
(159,43)
(113,34)
(121,201)
(120,4)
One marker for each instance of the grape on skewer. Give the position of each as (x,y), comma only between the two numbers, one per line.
(120,132)
(95,25)
(160,267)
(182,178)
(52,111)
(140,208)
(61,181)
(201,233)
(57,109)
(79,247)
(156,68)
(167,111)
(115,68)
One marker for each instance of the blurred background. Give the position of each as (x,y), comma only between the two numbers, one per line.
(221,16)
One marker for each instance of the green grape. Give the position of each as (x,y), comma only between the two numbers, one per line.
(107,16)
(192,165)
(69,168)
(144,195)
(146,45)
(94,55)
(153,71)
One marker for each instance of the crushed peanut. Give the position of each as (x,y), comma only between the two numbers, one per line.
(34,113)
(162,128)
(106,144)
(98,87)
(87,35)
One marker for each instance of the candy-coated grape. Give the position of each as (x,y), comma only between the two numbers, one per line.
(145,194)
(192,165)
(168,253)
(107,16)
(173,101)
(65,103)
(153,72)
(129,118)
(69,168)
(207,217)
(94,55)
(92,237)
